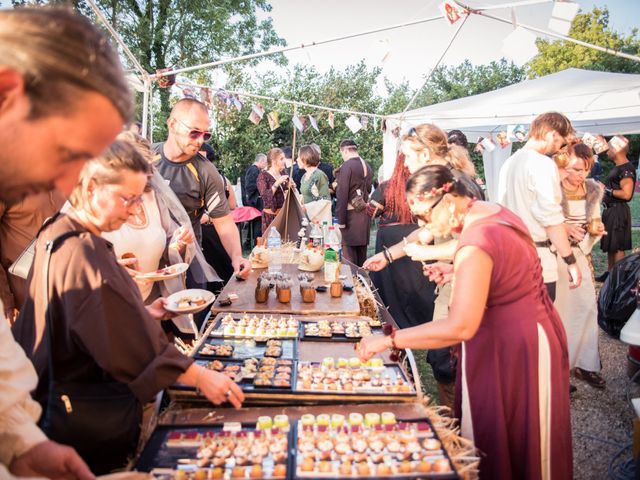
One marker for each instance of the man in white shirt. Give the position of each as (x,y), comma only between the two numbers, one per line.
(529,186)
(63,99)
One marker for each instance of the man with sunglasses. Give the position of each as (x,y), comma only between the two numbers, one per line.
(529,186)
(196,181)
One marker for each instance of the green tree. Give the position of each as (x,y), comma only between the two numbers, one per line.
(181,33)
(591,27)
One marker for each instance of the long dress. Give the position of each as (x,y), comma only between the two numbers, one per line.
(513,382)
(273,202)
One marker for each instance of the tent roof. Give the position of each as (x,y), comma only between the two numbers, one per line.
(597,102)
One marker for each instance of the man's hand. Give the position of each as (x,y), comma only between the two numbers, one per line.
(158,311)
(11,314)
(439,273)
(219,388)
(51,460)
(241,266)
(575,275)
(375,263)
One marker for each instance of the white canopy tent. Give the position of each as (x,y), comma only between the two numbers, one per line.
(596,102)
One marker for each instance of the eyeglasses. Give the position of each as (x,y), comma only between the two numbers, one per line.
(194,133)
(127,202)
(427,213)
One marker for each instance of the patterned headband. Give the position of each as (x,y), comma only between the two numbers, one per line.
(434,192)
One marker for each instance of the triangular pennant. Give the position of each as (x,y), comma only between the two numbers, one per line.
(274,121)
(331,120)
(298,122)
(353,123)
(167,80)
(314,123)
(236,102)
(188,92)
(364,121)
(451,11)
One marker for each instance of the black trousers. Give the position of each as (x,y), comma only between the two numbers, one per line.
(356,255)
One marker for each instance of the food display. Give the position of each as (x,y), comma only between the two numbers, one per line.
(243,348)
(350,376)
(188,301)
(170,271)
(211,453)
(339,330)
(368,446)
(252,326)
(265,372)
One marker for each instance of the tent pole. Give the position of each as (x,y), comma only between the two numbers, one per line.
(145,107)
(289,188)
(559,36)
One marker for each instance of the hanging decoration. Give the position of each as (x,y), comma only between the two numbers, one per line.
(331,120)
(313,123)
(189,93)
(236,102)
(274,121)
(166,81)
(364,121)
(257,112)
(299,123)
(452,11)
(353,124)
(516,133)
(205,96)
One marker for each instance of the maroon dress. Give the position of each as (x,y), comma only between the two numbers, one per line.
(272,202)
(513,381)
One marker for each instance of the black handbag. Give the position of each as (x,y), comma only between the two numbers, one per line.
(100,420)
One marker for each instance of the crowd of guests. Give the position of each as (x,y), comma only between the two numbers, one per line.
(86,345)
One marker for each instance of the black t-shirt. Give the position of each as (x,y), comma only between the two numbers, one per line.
(197,184)
(616,175)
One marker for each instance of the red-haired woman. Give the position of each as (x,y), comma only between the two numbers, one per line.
(402,285)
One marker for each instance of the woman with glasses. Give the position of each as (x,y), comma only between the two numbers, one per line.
(513,374)
(102,333)
(577,307)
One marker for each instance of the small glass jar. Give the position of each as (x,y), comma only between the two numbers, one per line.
(336,289)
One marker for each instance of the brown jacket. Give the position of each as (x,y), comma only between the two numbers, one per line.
(102,330)
(350,177)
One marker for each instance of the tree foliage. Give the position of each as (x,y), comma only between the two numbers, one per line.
(591,27)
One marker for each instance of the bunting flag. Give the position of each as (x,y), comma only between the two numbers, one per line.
(503,139)
(487,144)
(236,102)
(353,123)
(516,133)
(375,124)
(188,92)
(273,119)
(205,96)
(257,112)
(331,120)
(364,121)
(166,81)
(313,123)
(451,11)
(298,122)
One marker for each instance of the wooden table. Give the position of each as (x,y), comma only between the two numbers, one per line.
(324,304)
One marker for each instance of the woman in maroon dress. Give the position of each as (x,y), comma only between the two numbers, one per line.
(272,183)
(513,379)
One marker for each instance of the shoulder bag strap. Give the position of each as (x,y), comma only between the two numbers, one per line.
(50,247)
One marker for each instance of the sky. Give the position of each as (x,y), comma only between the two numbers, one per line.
(414,50)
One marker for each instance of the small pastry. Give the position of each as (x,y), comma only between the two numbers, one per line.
(355,419)
(371,419)
(280,470)
(307,419)
(256,471)
(363,469)
(441,465)
(237,472)
(337,420)
(323,419)
(346,470)
(281,421)
(423,467)
(383,470)
(265,423)
(388,418)
(431,444)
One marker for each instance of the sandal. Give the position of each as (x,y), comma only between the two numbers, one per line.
(592,378)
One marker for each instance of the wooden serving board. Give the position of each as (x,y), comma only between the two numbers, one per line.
(325,304)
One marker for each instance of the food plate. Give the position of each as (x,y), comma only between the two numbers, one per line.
(165,273)
(257,374)
(209,452)
(254,326)
(189,301)
(243,348)
(336,330)
(373,445)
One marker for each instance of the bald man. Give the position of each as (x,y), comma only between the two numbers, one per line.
(195,180)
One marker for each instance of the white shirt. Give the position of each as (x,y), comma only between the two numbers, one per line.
(529,186)
(147,242)
(18,412)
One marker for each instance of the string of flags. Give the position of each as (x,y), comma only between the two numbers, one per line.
(222,100)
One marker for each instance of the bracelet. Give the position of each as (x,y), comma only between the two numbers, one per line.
(393,340)
(387,255)
(569,259)
(609,191)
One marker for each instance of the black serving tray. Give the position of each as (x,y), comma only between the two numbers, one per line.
(159,458)
(335,337)
(295,455)
(244,348)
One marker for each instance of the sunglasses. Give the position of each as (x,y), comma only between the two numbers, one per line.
(194,134)
(426,215)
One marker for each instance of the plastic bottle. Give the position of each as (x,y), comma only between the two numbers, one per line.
(315,236)
(274,242)
(338,239)
(333,239)
(331,265)
(325,230)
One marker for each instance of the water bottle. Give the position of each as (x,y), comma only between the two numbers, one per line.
(315,236)
(325,231)
(338,239)
(274,242)
(331,265)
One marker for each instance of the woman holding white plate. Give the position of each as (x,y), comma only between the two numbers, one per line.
(99,332)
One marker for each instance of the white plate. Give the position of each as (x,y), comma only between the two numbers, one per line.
(165,273)
(172,300)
